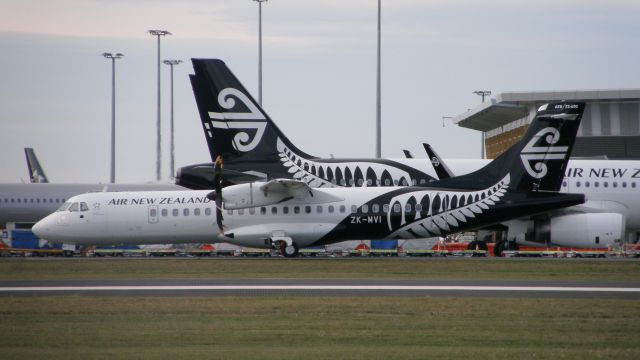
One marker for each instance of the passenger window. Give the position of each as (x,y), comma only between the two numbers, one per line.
(230,212)
(354,209)
(342,182)
(387,182)
(175,212)
(185,212)
(369,182)
(423,181)
(564,184)
(350,182)
(633,185)
(74,207)
(252,211)
(615,184)
(296,209)
(153,212)
(586,184)
(263,210)
(375,208)
(343,208)
(360,182)
(365,208)
(624,184)
(240,211)
(397,208)
(414,182)
(84,207)
(395,182)
(331,208)
(385,208)
(285,210)
(164,212)
(319,209)
(407,208)
(418,208)
(196,211)
(274,210)
(307,209)
(606,184)
(578,184)
(596,184)
(207,211)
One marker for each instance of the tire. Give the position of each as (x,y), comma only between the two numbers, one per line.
(290,251)
(498,248)
(472,245)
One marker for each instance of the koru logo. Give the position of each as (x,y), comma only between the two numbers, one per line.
(252,120)
(435,161)
(539,154)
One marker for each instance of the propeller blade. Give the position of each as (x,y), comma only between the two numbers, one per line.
(217,183)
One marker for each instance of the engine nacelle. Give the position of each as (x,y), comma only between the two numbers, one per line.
(248,195)
(590,230)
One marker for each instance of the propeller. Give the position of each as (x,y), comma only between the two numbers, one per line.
(217,193)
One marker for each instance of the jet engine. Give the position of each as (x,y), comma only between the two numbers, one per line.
(585,230)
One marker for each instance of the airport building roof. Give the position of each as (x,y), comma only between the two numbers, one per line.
(510,106)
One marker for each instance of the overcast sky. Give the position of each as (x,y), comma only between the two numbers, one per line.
(319,72)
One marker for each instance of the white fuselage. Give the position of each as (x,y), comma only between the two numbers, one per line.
(155,217)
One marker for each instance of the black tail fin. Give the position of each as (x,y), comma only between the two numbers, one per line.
(36,174)
(235,126)
(442,170)
(538,161)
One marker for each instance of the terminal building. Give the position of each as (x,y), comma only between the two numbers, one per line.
(610,125)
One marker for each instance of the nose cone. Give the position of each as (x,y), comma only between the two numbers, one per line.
(45,229)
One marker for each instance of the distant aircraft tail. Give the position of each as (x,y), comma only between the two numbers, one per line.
(538,161)
(36,174)
(235,125)
(442,170)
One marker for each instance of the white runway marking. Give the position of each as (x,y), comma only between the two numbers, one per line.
(321,287)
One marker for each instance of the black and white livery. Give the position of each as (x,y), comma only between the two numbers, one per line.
(290,213)
(253,148)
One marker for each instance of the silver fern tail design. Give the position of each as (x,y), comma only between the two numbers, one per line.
(357,173)
(433,213)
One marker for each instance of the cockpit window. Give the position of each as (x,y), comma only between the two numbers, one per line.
(84,207)
(74,207)
(64,206)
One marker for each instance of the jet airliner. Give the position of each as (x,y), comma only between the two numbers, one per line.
(254,149)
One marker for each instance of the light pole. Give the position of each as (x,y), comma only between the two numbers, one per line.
(113,58)
(378,89)
(482,93)
(158,34)
(171,63)
(260,50)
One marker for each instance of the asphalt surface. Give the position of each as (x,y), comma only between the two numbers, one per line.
(314,287)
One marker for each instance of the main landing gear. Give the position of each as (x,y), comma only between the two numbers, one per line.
(285,245)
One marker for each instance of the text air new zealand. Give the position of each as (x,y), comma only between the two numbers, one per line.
(290,214)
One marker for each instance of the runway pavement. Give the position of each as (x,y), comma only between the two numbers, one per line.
(314,287)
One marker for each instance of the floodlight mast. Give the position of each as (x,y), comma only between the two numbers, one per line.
(260,50)
(113,57)
(172,63)
(158,34)
(482,93)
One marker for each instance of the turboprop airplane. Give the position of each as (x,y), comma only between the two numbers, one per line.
(290,214)
(254,149)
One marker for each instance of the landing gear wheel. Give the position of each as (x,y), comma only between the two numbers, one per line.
(290,251)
